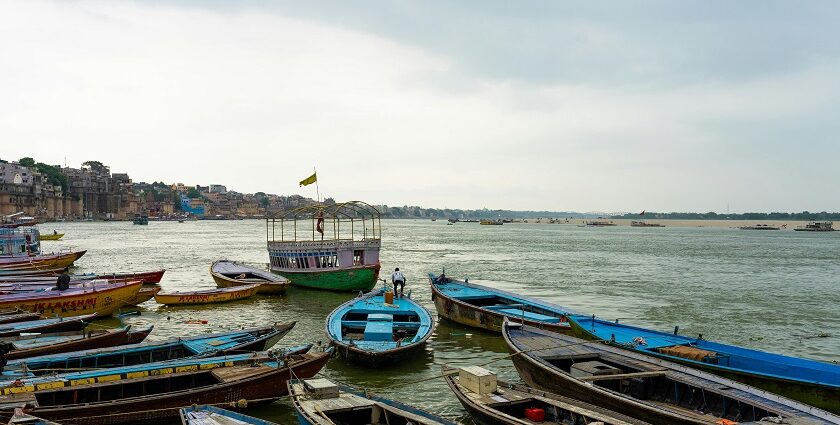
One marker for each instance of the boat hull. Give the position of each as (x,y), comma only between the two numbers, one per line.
(821,396)
(51,237)
(263,289)
(48,326)
(101,301)
(92,341)
(205,298)
(374,359)
(41,262)
(362,278)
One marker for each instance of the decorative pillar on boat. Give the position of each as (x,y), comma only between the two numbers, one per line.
(334,247)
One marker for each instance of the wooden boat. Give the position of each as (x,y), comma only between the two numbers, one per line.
(21,418)
(14,274)
(40,262)
(143,295)
(16,315)
(491,222)
(212,415)
(152,277)
(52,343)
(207,296)
(321,402)
(51,236)
(242,341)
(335,257)
(491,402)
(760,227)
(645,224)
(369,331)
(56,324)
(155,391)
(100,299)
(229,274)
(485,307)
(809,381)
(642,386)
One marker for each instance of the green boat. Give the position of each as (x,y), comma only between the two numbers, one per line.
(333,247)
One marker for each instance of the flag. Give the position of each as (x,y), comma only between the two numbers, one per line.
(309,180)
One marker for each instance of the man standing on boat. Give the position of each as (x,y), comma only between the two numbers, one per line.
(398,278)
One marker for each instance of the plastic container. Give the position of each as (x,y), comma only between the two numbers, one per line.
(389,297)
(535,414)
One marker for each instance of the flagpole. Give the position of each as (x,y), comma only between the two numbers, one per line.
(317,190)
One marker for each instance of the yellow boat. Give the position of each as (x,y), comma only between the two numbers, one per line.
(52,237)
(102,298)
(145,294)
(207,296)
(40,262)
(230,274)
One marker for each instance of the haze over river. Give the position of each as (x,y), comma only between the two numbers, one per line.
(772,290)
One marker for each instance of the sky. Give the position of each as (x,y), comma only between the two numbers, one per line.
(549,105)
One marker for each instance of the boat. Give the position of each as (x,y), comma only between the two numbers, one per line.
(207,296)
(16,315)
(809,381)
(102,299)
(760,227)
(816,226)
(645,224)
(13,274)
(371,331)
(56,324)
(484,307)
(322,402)
(141,219)
(229,274)
(21,418)
(156,391)
(599,222)
(487,222)
(143,295)
(207,345)
(151,277)
(212,415)
(643,386)
(491,402)
(333,247)
(25,346)
(40,262)
(52,236)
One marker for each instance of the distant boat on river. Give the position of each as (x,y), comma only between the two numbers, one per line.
(817,226)
(645,224)
(760,227)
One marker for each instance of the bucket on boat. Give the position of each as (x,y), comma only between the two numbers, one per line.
(389,297)
(535,414)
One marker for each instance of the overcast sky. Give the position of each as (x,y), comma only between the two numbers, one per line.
(584,106)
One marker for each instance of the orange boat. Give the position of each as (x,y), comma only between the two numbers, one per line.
(100,298)
(61,260)
(207,296)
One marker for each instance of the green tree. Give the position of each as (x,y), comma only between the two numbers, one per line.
(27,161)
(192,193)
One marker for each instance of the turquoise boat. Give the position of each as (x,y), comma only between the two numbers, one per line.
(809,381)
(212,415)
(369,331)
(333,247)
(484,307)
(256,339)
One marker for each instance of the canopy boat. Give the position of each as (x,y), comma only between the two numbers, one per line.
(321,402)
(370,331)
(491,402)
(816,226)
(212,415)
(254,339)
(25,346)
(810,381)
(313,246)
(642,386)
(56,324)
(52,236)
(102,299)
(207,296)
(229,274)
(155,391)
(485,307)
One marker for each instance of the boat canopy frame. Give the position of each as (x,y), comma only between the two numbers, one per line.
(359,214)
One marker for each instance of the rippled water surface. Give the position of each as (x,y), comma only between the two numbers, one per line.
(769,290)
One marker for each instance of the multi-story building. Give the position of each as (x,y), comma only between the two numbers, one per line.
(218,188)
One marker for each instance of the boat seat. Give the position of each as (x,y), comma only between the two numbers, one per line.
(361,324)
(691,353)
(530,315)
(380,327)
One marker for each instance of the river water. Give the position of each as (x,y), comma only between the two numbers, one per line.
(772,290)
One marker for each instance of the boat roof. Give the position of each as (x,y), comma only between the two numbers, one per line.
(226,267)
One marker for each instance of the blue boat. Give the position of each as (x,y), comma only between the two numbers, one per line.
(322,402)
(256,339)
(369,331)
(809,381)
(484,307)
(212,415)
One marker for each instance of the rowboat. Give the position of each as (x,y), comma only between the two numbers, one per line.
(13,274)
(61,260)
(229,274)
(333,247)
(102,299)
(15,315)
(484,307)
(152,277)
(51,236)
(247,340)
(369,331)
(21,418)
(207,296)
(321,402)
(56,324)
(26,346)
(490,402)
(143,295)
(642,386)
(155,391)
(809,381)
(212,415)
